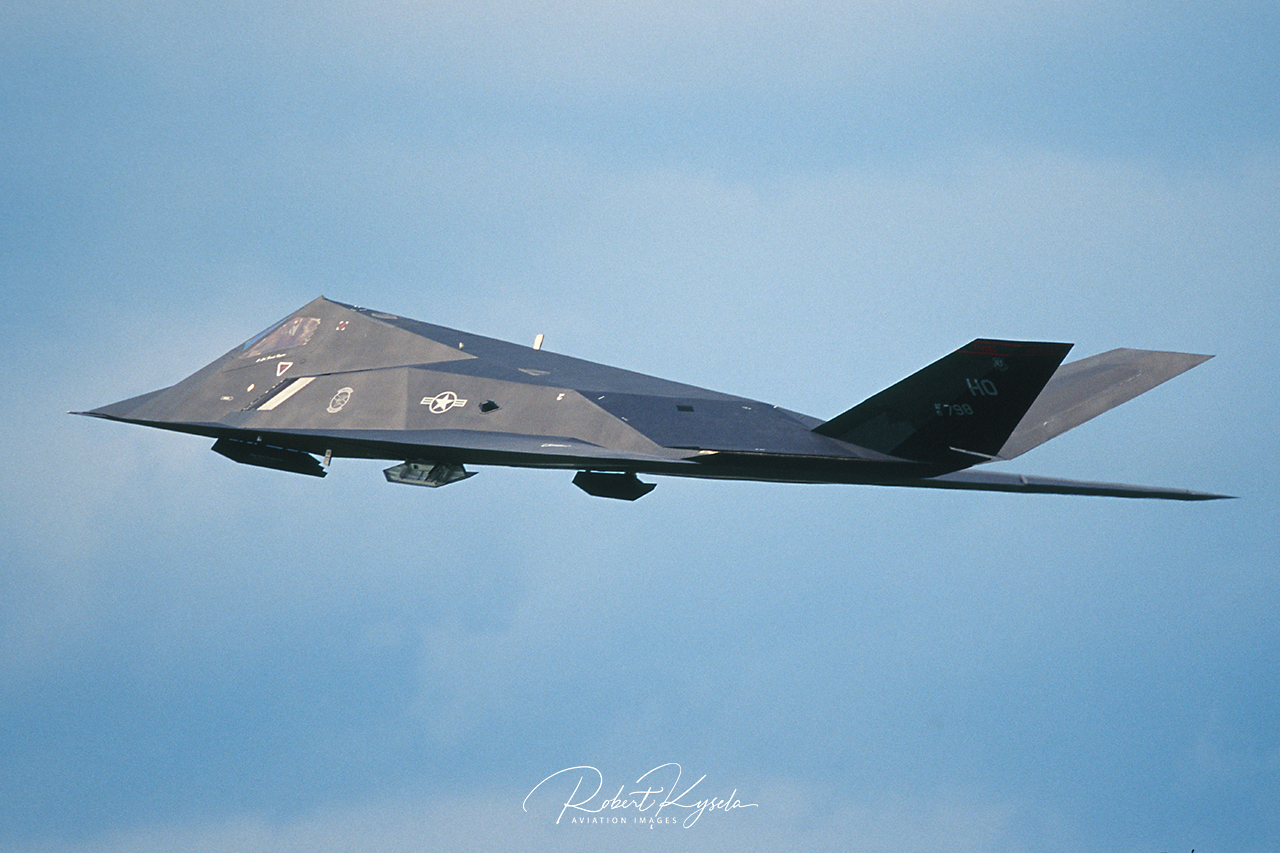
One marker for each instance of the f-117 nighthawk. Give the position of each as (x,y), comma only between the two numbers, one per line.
(334,380)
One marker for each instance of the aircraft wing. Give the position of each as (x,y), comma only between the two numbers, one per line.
(993,481)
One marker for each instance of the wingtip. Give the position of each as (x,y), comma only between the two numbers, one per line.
(1190,495)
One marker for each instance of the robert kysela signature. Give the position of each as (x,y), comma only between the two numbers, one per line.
(647,801)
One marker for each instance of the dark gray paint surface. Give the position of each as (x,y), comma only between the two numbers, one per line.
(339,381)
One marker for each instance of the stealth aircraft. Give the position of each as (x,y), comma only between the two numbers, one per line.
(337,381)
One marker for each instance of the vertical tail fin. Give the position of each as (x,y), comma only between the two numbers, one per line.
(959,410)
(1084,389)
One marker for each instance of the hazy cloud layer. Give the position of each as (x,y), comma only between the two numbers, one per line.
(797,203)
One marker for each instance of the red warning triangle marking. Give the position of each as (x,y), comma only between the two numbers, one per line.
(282,366)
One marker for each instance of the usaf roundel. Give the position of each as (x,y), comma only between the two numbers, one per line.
(442,402)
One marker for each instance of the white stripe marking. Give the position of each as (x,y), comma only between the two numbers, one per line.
(286,394)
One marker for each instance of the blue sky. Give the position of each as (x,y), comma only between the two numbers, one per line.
(799,203)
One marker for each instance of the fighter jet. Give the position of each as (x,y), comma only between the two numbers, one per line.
(338,381)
